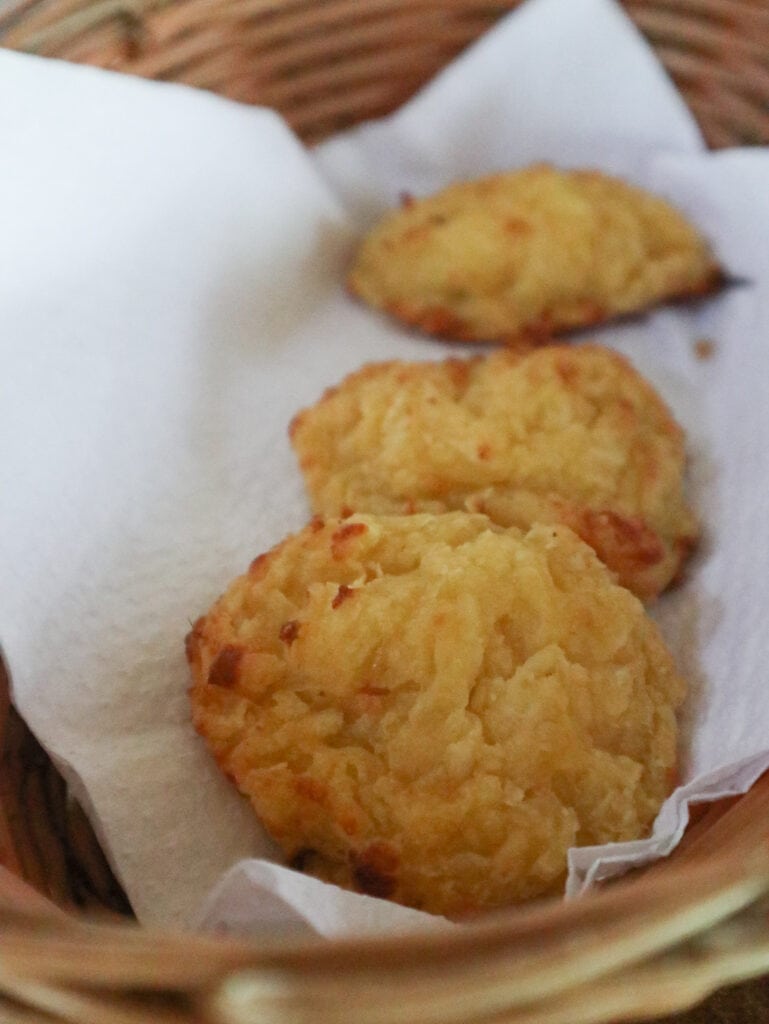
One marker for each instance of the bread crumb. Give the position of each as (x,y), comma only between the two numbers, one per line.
(704,348)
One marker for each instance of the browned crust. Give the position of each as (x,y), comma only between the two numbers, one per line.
(193,638)
(711,284)
(289,631)
(225,668)
(630,546)
(439,322)
(342,537)
(342,595)
(374,869)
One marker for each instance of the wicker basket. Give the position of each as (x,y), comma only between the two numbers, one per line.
(648,946)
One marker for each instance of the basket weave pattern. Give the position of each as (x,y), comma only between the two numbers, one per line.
(326,65)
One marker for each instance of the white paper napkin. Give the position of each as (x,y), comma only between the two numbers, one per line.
(170,268)
(567,81)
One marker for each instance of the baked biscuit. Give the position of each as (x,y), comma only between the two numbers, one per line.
(518,257)
(433,709)
(568,434)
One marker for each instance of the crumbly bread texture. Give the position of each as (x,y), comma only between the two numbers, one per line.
(567,434)
(433,709)
(520,256)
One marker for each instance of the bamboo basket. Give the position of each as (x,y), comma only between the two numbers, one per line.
(652,945)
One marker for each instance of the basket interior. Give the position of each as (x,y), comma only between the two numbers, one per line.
(328,64)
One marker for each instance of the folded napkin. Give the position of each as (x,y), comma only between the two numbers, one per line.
(170,286)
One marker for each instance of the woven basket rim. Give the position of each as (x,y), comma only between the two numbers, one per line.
(715,50)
